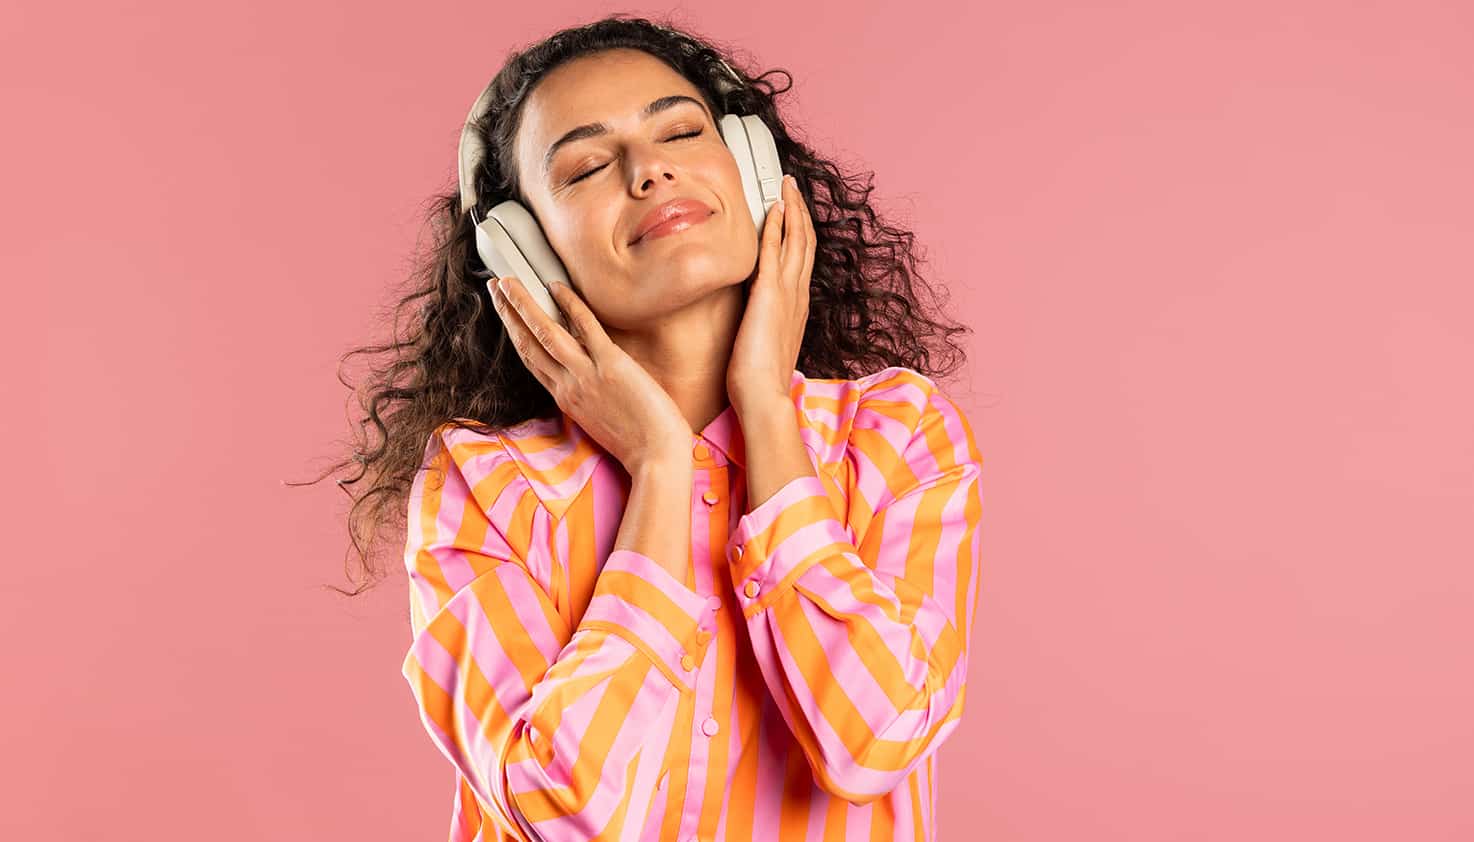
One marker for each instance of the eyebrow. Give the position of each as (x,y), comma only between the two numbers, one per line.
(595,129)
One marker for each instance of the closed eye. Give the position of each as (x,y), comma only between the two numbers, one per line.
(581,176)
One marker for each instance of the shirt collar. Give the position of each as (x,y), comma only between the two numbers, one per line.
(547,469)
(724,432)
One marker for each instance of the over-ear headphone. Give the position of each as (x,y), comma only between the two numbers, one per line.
(510,242)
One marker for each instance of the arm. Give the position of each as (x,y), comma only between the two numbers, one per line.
(560,732)
(863,644)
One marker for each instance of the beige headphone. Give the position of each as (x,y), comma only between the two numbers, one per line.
(510,242)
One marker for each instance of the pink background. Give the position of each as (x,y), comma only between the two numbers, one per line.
(1218,261)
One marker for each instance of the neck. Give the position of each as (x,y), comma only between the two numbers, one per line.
(687,351)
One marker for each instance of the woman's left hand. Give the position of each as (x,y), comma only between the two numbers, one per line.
(765,352)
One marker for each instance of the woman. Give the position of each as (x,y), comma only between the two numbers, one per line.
(663,584)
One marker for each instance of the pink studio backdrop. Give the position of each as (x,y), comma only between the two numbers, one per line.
(1218,263)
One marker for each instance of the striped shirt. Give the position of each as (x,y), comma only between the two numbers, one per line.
(793,684)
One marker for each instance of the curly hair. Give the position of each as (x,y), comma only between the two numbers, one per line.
(455,363)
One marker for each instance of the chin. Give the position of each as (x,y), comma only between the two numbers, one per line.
(681,288)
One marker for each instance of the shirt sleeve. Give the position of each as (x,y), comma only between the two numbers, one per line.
(863,642)
(560,732)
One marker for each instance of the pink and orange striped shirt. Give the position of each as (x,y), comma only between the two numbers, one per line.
(793,685)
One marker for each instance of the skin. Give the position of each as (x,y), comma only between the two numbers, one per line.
(715,314)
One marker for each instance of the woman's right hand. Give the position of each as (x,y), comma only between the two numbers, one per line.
(611,396)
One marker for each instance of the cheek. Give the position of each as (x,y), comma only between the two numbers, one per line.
(744,239)
(584,234)
(730,179)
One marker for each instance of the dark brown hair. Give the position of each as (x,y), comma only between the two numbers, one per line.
(453,360)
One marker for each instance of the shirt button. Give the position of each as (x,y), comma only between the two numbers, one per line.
(751,589)
(701,452)
(709,727)
(688,662)
(714,603)
(710,497)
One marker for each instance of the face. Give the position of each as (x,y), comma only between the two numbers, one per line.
(597,187)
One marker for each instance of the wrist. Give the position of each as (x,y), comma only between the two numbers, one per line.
(766,413)
(662,467)
(757,399)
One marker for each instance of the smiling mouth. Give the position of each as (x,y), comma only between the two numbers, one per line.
(674,226)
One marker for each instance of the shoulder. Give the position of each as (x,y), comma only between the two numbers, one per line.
(542,457)
(916,403)
(476,459)
(886,430)
(896,392)
(881,408)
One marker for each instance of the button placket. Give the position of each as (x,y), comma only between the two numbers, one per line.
(751,588)
(704,635)
(709,466)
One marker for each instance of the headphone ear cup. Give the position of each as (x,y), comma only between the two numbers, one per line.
(511,242)
(751,144)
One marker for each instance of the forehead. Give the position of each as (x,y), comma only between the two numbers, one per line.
(610,86)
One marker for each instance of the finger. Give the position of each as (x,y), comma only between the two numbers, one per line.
(553,337)
(811,241)
(791,219)
(771,241)
(582,322)
(795,237)
(808,216)
(807,272)
(537,359)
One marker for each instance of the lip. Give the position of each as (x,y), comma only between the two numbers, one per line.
(675,215)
